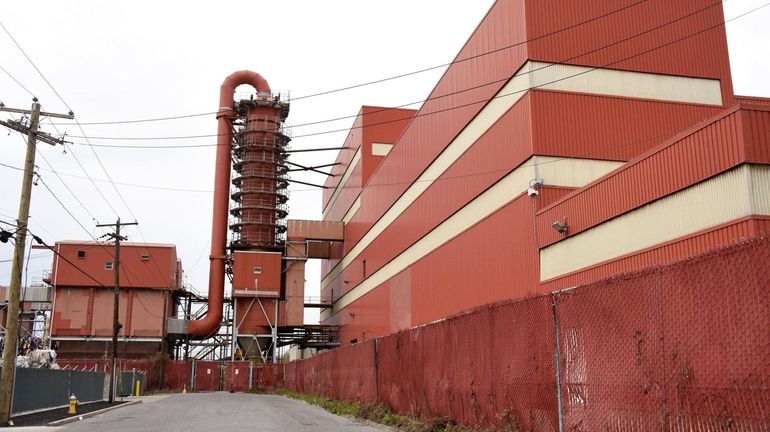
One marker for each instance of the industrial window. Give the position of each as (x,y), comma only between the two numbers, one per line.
(257,270)
(81,254)
(145,256)
(108,265)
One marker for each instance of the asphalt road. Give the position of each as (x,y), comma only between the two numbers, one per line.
(215,412)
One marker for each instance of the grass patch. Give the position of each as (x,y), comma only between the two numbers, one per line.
(377,413)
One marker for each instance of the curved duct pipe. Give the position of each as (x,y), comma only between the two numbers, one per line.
(209,324)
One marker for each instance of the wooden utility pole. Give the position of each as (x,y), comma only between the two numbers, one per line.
(14,291)
(116,326)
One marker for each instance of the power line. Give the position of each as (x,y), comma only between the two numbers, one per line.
(393,77)
(69,108)
(420,114)
(598,152)
(17,81)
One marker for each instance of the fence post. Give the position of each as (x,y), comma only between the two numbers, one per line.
(192,377)
(376,370)
(557,355)
(251,374)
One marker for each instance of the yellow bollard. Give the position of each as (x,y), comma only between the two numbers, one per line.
(138,386)
(73,405)
(184,389)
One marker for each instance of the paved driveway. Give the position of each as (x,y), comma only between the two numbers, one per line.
(215,412)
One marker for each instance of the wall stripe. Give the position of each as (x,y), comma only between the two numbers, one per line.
(352,210)
(576,79)
(612,82)
(343,180)
(721,199)
(381,149)
(501,193)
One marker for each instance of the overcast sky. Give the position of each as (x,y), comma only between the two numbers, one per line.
(117,61)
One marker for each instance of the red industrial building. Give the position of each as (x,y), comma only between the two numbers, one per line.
(82,278)
(566,143)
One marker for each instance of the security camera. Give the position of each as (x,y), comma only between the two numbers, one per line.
(532,192)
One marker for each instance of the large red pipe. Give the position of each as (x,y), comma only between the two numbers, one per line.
(209,324)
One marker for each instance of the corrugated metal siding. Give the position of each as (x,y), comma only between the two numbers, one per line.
(703,55)
(367,318)
(550,194)
(352,142)
(504,146)
(665,253)
(756,134)
(495,259)
(427,135)
(610,128)
(381,125)
(760,189)
(671,167)
(720,199)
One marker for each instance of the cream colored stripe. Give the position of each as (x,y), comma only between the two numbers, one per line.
(380,149)
(719,200)
(341,184)
(538,74)
(624,83)
(480,124)
(482,206)
(352,210)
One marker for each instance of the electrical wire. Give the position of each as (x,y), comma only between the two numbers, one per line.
(393,77)
(17,81)
(66,105)
(423,114)
(598,152)
(117,191)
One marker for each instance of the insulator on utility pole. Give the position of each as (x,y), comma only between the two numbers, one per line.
(14,290)
(116,326)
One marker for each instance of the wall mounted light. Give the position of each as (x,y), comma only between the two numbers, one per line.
(560,226)
(534,185)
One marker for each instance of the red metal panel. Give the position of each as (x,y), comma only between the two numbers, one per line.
(494,260)
(504,146)
(348,194)
(756,133)
(178,375)
(381,125)
(256,271)
(207,376)
(269,376)
(608,128)
(694,44)
(352,143)
(142,266)
(237,376)
(692,156)
(367,318)
(445,113)
(549,194)
(665,253)
(88,312)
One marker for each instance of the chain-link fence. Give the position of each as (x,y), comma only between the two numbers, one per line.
(674,348)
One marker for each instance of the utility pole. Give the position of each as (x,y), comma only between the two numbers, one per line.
(14,291)
(116,326)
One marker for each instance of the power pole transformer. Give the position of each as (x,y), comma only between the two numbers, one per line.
(116,326)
